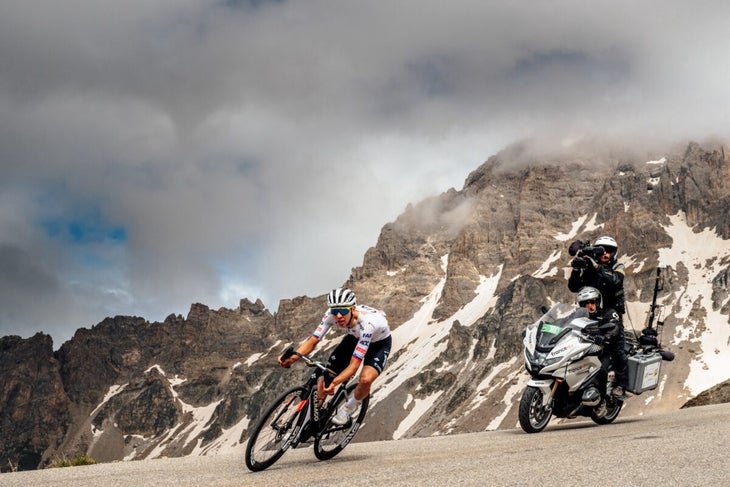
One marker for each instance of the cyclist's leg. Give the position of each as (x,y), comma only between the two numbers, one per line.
(373,364)
(368,375)
(339,359)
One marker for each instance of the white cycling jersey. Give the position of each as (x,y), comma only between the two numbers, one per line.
(372,326)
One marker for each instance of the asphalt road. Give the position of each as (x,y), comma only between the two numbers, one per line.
(688,447)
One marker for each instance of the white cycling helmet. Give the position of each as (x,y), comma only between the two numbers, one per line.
(341,297)
(608,243)
(589,293)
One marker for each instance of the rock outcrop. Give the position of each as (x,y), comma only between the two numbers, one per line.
(34,404)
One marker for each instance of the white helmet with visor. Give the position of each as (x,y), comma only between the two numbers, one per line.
(341,298)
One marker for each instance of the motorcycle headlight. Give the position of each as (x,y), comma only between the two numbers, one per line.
(552,361)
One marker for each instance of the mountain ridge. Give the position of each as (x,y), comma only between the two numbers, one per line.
(459,274)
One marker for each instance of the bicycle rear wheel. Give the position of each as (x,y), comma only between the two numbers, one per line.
(334,438)
(270,438)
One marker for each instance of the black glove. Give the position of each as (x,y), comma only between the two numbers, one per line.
(591,330)
(598,339)
(579,263)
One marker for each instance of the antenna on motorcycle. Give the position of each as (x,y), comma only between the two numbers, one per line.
(658,286)
(649,333)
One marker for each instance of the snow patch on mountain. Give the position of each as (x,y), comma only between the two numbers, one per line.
(113,391)
(496,379)
(194,422)
(577,225)
(658,162)
(420,407)
(512,396)
(545,269)
(710,332)
(423,340)
(582,224)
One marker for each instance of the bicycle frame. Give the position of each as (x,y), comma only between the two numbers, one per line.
(308,421)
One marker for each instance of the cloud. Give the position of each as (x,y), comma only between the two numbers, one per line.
(155,154)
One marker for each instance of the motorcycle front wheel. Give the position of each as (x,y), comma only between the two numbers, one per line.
(534,417)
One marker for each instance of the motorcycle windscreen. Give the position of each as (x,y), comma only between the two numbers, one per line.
(550,333)
(547,336)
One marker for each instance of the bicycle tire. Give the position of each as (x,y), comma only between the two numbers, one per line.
(269,439)
(333,438)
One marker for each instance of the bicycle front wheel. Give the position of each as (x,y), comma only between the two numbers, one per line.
(334,438)
(272,434)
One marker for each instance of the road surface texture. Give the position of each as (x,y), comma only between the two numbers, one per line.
(681,448)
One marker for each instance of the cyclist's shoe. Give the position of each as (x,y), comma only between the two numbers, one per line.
(342,416)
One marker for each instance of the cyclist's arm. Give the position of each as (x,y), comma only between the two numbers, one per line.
(346,374)
(308,345)
(305,348)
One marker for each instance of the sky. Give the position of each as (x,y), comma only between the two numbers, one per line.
(155,154)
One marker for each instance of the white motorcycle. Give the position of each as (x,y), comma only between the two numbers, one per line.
(563,357)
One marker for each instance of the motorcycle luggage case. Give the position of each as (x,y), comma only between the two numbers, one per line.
(644,372)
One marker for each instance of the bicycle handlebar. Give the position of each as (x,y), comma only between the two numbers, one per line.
(307,360)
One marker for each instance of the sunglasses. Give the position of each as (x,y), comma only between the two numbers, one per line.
(340,311)
(590,301)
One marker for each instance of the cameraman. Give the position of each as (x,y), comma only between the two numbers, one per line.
(597,267)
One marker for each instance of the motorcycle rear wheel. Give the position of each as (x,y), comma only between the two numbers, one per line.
(612,409)
(534,417)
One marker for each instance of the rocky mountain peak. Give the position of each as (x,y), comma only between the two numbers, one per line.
(459,275)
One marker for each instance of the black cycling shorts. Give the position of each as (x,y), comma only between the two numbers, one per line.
(375,357)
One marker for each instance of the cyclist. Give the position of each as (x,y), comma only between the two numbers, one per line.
(367,342)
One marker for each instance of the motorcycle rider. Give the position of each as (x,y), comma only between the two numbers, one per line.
(604,273)
(367,341)
(607,330)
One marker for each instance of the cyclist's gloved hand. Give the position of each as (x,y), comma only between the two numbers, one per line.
(287,357)
(286,363)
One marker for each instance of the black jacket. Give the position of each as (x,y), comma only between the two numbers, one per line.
(609,280)
(609,323)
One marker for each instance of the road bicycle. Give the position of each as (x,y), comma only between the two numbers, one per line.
(295,419)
